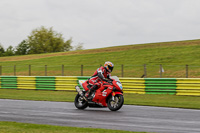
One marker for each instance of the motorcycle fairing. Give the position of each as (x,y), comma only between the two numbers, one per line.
(101,96)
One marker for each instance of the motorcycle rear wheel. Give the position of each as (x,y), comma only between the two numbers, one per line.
(80,103)
(116,104)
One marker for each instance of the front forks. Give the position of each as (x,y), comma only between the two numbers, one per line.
(113,96)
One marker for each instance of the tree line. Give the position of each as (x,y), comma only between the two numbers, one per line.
(41,40)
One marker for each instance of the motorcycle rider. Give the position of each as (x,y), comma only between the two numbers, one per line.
(102,73)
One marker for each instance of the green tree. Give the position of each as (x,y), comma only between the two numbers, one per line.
(67,45)
(2,51)
(43,40)
(22,48)
(10,51)
(79,46)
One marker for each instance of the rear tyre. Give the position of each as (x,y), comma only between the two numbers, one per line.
(80,102)
(117,103)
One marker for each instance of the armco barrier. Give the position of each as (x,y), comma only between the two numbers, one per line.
(174,86)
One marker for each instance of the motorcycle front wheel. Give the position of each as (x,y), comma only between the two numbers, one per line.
(115,104)
(80,103)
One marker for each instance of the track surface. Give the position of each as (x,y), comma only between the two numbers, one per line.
(131,118)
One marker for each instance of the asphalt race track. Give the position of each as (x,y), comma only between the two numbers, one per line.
(131,118)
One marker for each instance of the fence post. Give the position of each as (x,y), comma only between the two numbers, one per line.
(186,67)
(45,70)
(145,71)
(0,70)
(29,72)
(160,70)
(81,70)
(14,70)
(63,70)
(122,66)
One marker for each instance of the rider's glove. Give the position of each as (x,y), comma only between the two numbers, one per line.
(104,79)
(110,81)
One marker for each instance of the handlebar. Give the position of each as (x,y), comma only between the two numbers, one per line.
(110,81)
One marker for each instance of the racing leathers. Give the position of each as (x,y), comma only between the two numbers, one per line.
(95,81)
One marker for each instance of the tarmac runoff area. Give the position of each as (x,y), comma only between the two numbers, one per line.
(129,117)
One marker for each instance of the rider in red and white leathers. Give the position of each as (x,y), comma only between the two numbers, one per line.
(102,73)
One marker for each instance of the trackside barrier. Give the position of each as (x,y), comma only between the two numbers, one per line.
(174,86)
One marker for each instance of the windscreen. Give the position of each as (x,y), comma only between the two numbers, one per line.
(115,78)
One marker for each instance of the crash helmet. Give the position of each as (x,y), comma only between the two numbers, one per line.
(109,66)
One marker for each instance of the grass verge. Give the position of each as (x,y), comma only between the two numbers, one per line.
(172,55)
(14,127)
(191,102)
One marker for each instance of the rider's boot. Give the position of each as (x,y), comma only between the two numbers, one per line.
(92,89)
(87,93)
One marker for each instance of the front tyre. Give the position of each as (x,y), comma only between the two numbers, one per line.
(80,103)
(117,103)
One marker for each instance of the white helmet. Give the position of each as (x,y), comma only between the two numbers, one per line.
(109,66)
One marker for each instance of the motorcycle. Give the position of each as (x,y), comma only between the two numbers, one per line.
(110,94)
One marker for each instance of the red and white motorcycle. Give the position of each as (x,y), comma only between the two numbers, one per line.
(109,95)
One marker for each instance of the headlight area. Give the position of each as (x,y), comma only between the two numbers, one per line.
(120,85)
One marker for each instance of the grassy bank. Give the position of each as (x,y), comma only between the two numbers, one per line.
(131,99)
(172,55)
(14,127)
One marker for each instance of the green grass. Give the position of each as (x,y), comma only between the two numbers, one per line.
(163,100)
(191,102)
(38,95)
(14,127)
(172,55)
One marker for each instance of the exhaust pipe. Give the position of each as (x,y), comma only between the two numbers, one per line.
(80,92)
